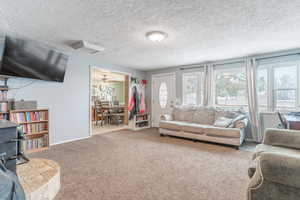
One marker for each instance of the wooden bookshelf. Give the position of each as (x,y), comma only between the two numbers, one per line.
(4,103)
(35,125)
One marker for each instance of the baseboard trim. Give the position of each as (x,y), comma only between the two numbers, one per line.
(71,140)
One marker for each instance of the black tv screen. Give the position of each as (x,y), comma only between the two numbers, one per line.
(29,59)
(2,44)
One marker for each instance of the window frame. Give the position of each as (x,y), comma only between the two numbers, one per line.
(200,86)
(228,68)
(271,89)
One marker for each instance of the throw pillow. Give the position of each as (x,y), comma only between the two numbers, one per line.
(238,118)
(223,122)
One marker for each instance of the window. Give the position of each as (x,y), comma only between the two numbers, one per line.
(230,87)
(262,89)
(278,87)
(163,95)
(192,88)
(285,82)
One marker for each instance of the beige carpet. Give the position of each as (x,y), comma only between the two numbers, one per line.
(141,165)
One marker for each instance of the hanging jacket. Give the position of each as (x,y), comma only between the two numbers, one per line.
(142,100)
(134,106)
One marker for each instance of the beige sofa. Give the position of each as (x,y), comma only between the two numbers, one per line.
(206,124)
(275,169)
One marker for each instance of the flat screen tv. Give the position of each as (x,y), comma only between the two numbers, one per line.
(29,59)
(2,44)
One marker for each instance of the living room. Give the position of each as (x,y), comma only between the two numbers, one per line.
(193,100)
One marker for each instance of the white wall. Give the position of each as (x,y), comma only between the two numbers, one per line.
(68,101)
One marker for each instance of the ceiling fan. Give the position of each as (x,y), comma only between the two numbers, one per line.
(104,79)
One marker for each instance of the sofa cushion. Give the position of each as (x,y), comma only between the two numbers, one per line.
(204,115)
(183,113)
(223,122)
(171,125)
(261,148)
(194,128)
(223,132)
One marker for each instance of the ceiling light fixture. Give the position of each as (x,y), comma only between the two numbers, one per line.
(156,36)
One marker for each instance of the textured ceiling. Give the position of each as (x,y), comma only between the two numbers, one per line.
(199,30)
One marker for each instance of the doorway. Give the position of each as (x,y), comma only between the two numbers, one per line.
(163,96)
(109,101)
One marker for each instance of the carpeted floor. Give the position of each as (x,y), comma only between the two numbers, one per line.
(127,165)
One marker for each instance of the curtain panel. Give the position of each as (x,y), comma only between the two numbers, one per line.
(208,71)
(251,70)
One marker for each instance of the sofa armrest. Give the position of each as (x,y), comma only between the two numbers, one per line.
(241,123)
(282,138)
(166,117)
(280,168)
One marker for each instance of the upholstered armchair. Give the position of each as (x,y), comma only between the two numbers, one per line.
(275,171)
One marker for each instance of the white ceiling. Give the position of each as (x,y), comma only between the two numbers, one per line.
(199,30)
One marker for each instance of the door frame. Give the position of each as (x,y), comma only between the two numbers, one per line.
(127,77)
(153,76)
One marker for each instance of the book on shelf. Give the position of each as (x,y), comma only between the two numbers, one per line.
(21,117)
(34,128)
(35,143)
(3,95)
(3,106)
(4,116)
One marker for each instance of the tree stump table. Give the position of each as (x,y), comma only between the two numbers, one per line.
(40,179)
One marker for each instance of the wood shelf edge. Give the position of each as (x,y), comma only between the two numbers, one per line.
(33,122)
(37,150)
(29,110)
(31,135)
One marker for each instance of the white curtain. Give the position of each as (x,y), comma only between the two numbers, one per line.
(251,69)
(207,98)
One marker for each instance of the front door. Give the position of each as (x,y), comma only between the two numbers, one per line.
(163,96)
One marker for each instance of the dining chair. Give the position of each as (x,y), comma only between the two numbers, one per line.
(101,114)
(282,121)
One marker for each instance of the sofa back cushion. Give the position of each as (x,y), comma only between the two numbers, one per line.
(204,115)
(225,113)
(183,113)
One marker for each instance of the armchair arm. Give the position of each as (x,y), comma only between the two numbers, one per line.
(283,138)
(166,117)
(280,168)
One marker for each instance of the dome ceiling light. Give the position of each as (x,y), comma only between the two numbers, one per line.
(156,36)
